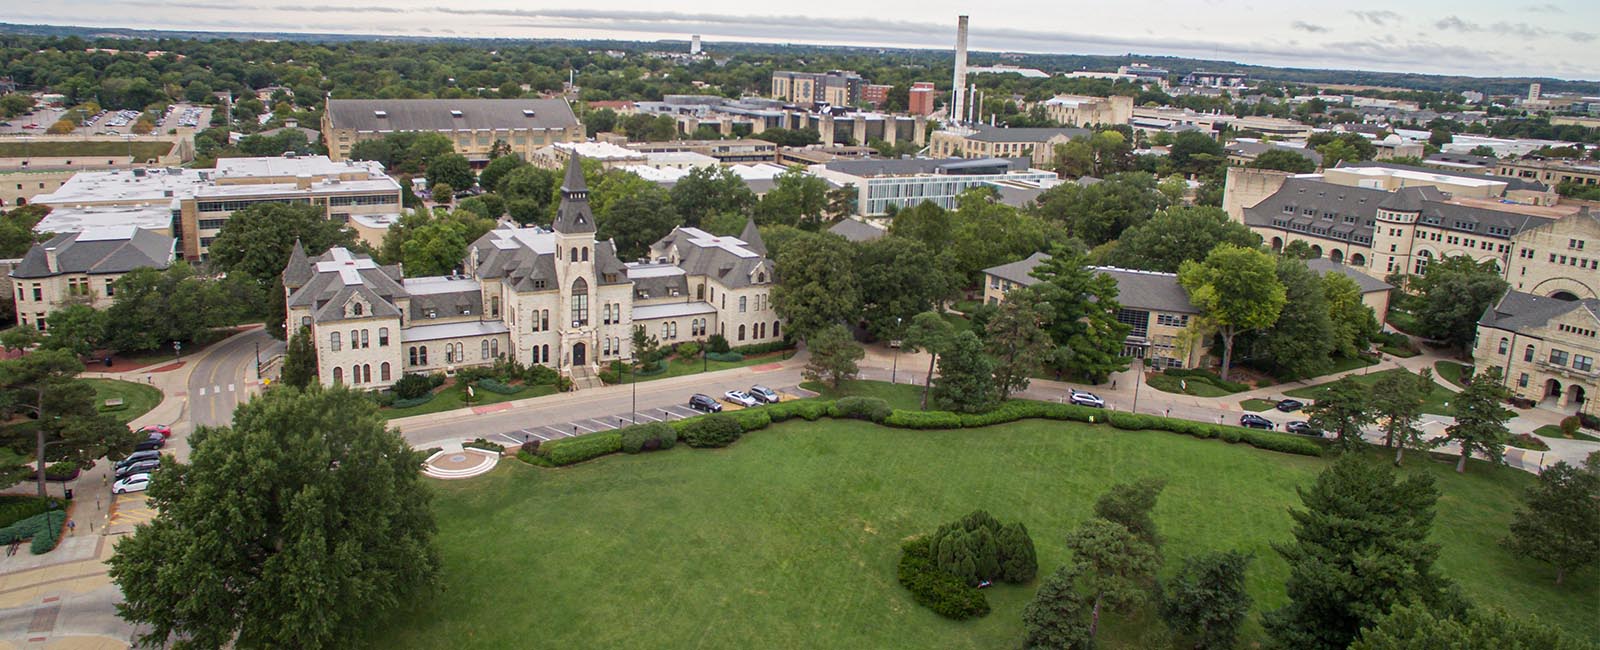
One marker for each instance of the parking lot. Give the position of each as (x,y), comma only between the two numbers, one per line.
(128,511)
(109,122)
(546,432)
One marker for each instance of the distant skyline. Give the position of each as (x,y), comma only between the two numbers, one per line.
(1468,37)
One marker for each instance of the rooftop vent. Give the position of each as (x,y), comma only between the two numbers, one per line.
(455,113)
(527,112)
(380,114)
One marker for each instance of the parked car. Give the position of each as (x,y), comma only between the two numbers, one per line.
(1290,405)
(135,483)
(704,404)
(155,441)
(741,398)
(141,467)
(766,395)
(164,430)
(138,456)
(1302,428)
(1085,398)
(1256,422)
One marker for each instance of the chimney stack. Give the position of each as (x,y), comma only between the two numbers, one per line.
(50,260)
(958,89)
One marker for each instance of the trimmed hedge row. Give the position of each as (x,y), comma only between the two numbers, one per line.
(44,528)
(15,508)
(763,348)
(648,437)
(723,429)
(408,403)
(566,451)
(724,356)
(496,386)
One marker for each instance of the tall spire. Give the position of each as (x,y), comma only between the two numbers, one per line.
(574,215)
(752,237)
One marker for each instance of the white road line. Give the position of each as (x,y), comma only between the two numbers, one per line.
(216,389)
(558,433)
(642,415)
(230,388)
(604,425)
(202,392)
(579,426)
(538,435)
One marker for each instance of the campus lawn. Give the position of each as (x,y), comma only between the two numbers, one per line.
(1436,404)
(900,396)
(1257,405)
(789,538)
(454,397)
(1451,371)
(1199,386)
(1403,321)
(1554,431)
(679,367)
(137,399)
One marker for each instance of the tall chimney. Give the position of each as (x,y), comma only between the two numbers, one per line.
(959,88)
(50,262)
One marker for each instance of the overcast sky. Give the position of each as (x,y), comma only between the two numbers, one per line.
(1475,37)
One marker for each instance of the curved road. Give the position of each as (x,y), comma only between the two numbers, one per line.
(226,376)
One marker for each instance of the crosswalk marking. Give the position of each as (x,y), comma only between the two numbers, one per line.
(230,388)
(202,391)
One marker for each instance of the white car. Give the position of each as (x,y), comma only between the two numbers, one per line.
(135,483)
(740,397)
(1085,398)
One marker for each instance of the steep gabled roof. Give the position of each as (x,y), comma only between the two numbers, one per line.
(574,215)
(116,249)
(1520,312)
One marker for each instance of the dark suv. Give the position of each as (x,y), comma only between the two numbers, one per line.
(1256,422)
(704,404)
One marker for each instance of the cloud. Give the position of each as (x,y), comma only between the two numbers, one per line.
(1379,17)
(1547,8)
(1307,27)
(1580,37)
(1449,23)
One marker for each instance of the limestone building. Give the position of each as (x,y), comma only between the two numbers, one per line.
(1545,347)
(1079,110)
(473,125)
(83,268)
(1035,144)
(557,298)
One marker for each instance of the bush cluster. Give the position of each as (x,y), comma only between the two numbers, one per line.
(725,356)
(715,430)
(15,508)
(496,386)
(687,350)
(412,386)
(44,528)
(808,410)
(764,348)
(408,403)
(566,451)
(648,437)
(717,343)
(753,419)
(978,548)
(941,592)
(485,445)
(862,408)
(63,471)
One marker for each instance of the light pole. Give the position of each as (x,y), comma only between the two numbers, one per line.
(633,383)
(1137,373)
(894,368)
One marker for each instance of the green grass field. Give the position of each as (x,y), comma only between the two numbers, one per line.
(900,396)
(454,397)
(679,367)
(1436,404)
(1451,371)
(1257,405)
(62,148)
(1554,431)
(137,399)
(789,538)
(1199,386)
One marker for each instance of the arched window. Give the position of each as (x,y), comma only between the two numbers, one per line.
(483,348)
(605,347)
(674,329)
(383,372)
(449,353)
(1527,354)
(338,375)
(573,255)
(366,372)
(580,302)
(333,341)
(383,337)
(742,301)
(585,253)
(494,348)
(494,306)
(356,309)
(365,342)
(741,332)
(355,374)
(775,329)
(1357,259)
(546,354)
(411,354)
(761,278)
(544,319)
(424,354)
(1505,344)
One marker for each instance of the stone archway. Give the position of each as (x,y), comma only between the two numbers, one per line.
(1552,389)
(1336,256)
(1277,244)
(1358,260)
(580,354)
(1316,251)
(1576,395)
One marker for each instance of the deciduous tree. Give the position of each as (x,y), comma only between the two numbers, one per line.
(299,360)
(1559,522)
(1237,290)
(931,333)
(79,329)
(900,278)
(709,191)
(1452,295)
(966,376)
(817,286)
(1284,160)
(451,169)
(303,525)
(833,355)
(1179,234)
(1301,341)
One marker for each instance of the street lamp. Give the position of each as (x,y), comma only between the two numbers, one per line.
(894,367)
(1137,373)
(633,383)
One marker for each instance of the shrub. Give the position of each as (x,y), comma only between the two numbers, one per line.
(495,386)
(727,357)
(1132,421)
(532,457)
(412,386)
(44,528)
(749,420)
(941,592)
(648,437)
(1527,441)
(715,430)
(717,343)
(15,508)
(861,408)
(650,369)
(485,445)
(540,375)
(764,348)
(1209,377)
(1589,421)
(1569,425)
(1279,442)
(1231,436)
(808,410)
(473,375)
(566,451)
(977,548)
(687,350)
(408,403)
(610,377)
(381,397)
(904,419)
(63,471)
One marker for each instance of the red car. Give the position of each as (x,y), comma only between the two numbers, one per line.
(164,430)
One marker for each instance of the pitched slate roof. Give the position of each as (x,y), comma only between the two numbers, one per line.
(116,249)
(1135,289)
(1410,199)
(859,231)
(1520,312)
(1255,149)
(1286,209)
(728,259)
(752,237)
(1367,283)
(574,215)
(339,275)
(435,114)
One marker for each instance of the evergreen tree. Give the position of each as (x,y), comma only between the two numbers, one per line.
(1480,419)
(1057,617)
(966,376)
(1343,408)
(1206,601)
(1360,547)
(1129,504)
(1018,562)
(300,360)
(1118,567)
(1414,627)
(933,334)
(1397,401)
(1017,341)
(1082,316)
(1559,522)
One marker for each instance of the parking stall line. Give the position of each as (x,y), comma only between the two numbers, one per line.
(558,432)
(642,415)
(514,441)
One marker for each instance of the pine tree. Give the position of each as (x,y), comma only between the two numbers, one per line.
(1397,401)
(1118,566)
(1017,341)
(1057,617)
(300,360)
(1082,315)
(1480,419)
(1344,409)
(1206,600)
(1019,563)
(1559,523)
(1360,547)
(1130,504)
(966,376)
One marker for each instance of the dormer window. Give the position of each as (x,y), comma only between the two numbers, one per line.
(356,309)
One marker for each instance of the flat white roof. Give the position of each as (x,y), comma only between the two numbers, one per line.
(672,310)
(163,185)
(537,239)
(750,172)
(107,233)
(348,266)
(376,220)
(76,219)
(284,166)
(156,185)
(1411,174)
(453,330)
(637,270)
(439,284)
(600,150)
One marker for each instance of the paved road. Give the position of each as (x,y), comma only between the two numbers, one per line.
(221,378)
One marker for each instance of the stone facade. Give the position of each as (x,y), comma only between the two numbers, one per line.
(1078,110)
(1545,347)
(82,268)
